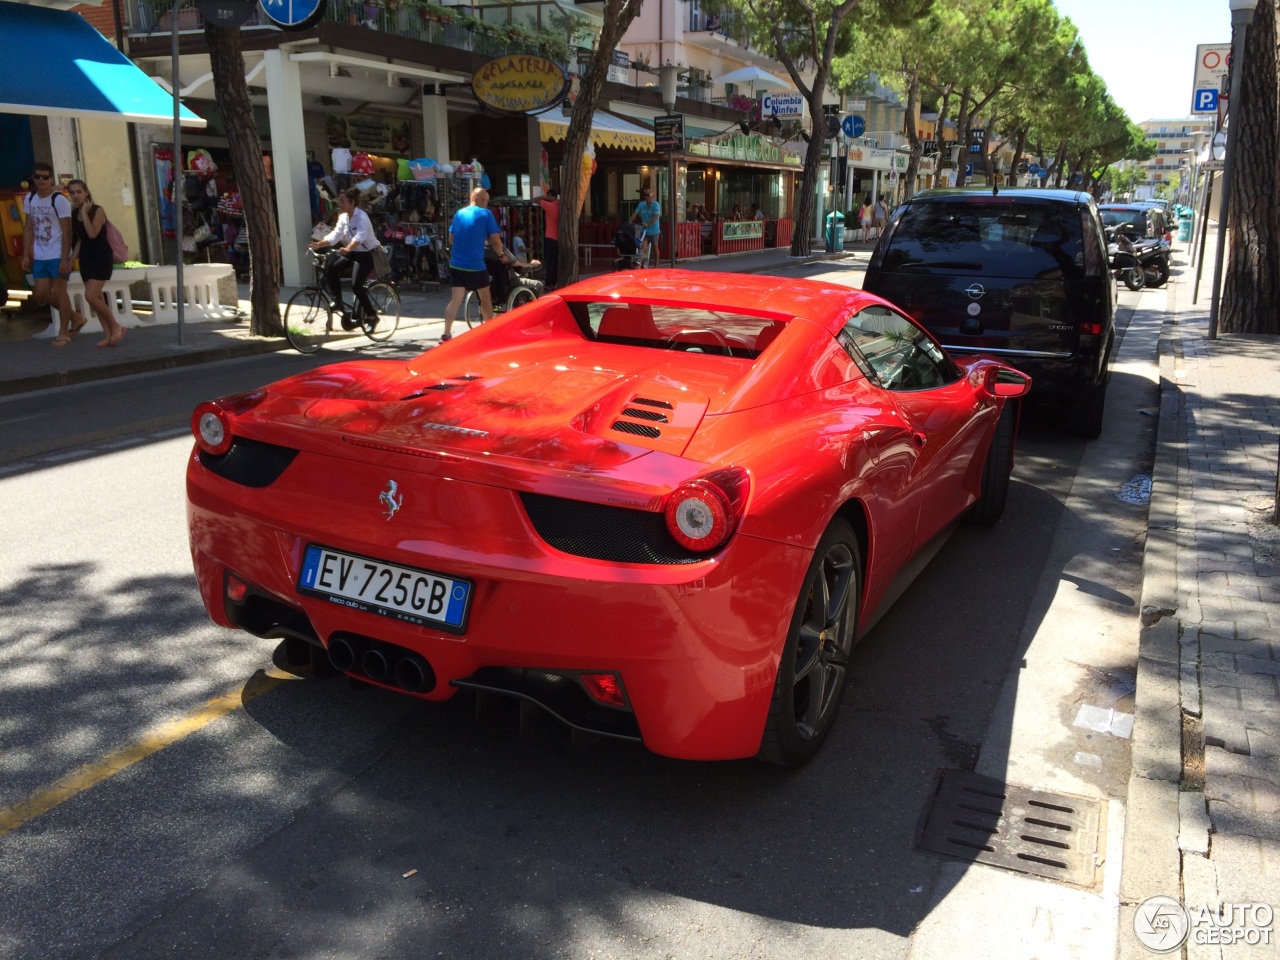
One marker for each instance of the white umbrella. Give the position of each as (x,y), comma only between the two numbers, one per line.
(755,77)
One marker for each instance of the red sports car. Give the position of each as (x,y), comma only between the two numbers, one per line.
(660,505)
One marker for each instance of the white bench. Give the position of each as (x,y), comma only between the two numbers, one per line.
(199,282)
(116,290)
(200,287)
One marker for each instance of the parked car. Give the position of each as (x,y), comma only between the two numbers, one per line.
(1140,219)
(1022,275)
(660,505)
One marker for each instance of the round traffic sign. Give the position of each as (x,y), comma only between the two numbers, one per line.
(294,14)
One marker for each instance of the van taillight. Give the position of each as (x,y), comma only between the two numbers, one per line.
(1091,329)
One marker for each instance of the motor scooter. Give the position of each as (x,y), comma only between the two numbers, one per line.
(1124,261)
(1150,257)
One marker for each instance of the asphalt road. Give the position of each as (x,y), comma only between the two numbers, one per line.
(305,818)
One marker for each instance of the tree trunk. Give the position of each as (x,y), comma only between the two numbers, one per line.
(802,215)
(963,123)
(913,136)
(227,62)
(1252,270)
(618,15)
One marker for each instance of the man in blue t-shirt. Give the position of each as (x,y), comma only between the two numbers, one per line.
(473,228)
(648,214)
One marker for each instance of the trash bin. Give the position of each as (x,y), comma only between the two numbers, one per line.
(1184,229)
(835,231)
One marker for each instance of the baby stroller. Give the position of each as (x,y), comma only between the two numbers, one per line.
(624,241)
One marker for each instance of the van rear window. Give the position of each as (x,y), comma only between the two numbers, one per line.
(1032,240)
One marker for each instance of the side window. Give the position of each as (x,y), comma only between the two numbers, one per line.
(1094,246)
(894,352)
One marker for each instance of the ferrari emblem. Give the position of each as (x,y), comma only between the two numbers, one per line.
(390,499)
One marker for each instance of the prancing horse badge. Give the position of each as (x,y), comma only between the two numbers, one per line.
(391,499)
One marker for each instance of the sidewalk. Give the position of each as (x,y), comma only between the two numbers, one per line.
(27,365)
(1204,792)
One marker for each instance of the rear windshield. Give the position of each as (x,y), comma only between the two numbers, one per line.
(689,329)
(1031,240)
(1117,218)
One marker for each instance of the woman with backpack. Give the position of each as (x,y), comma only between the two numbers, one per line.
(90,244)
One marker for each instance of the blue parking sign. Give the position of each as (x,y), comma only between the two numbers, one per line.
(1205,100)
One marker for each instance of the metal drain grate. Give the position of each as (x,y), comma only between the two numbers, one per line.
(980,820)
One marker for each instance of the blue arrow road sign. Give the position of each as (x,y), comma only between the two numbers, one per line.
(853,125)
(1205,101)
(968,169)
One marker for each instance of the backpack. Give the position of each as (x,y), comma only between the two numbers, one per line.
(115,240)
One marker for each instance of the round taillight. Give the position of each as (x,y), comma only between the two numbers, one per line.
(698,515)
(212,429)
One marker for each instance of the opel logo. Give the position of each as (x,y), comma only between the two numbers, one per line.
(975,291)
(391,499)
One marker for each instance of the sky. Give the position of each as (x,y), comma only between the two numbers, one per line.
(1145,50)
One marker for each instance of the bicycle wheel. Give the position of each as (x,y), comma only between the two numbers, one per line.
(386,300)
(307,320)
(519,297)
(471,309)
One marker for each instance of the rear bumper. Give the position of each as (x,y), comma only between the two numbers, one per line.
(696,645)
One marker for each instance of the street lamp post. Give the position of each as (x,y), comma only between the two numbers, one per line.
(179,298)
(1241,17)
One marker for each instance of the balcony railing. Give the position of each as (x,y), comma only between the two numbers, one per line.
(539,27)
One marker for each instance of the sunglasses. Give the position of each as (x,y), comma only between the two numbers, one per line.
(41,176)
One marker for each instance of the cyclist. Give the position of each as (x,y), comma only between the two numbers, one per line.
(648,214)
(354,243)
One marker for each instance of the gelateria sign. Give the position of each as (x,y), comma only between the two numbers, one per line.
(520,83)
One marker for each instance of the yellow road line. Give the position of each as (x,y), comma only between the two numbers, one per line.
(153,741)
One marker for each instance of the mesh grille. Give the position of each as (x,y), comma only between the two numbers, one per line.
(250,463)
(639,429)
(645,415)
(604,532)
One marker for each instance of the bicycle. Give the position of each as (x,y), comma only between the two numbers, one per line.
(523,290)
(308,316)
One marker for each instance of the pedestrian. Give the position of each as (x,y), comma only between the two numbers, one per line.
(550,203)
(353,241)
(473,228)
(864,218)
(89,229)
(648,214)
(879,215)
(46,249)
(756,212)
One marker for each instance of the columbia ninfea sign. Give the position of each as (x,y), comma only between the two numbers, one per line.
(520,83)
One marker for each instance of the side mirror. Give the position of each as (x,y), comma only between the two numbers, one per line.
(1008,383)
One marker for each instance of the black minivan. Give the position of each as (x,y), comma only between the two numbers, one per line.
(1022,275)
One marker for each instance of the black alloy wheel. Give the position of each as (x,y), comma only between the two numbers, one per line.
(815,658)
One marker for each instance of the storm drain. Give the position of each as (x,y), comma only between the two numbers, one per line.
(980,820)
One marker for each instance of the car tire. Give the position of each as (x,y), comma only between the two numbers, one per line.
(989,507)
(814,667)
(1088,417)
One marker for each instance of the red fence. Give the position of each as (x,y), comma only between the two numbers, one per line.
(782,231)
(720,245)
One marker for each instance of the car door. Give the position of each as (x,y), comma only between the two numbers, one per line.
(933,439)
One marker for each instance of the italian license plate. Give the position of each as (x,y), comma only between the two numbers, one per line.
(402,593)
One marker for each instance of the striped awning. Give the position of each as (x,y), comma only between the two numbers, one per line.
(606,130)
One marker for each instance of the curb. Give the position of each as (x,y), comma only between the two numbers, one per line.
(126,368)
(1152,863)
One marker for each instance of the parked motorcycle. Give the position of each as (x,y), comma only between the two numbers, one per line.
(1124,260)
(1132,257)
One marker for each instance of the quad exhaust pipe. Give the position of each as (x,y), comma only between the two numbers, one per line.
(382,663)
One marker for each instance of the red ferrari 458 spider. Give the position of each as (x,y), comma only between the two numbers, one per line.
(662,506)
